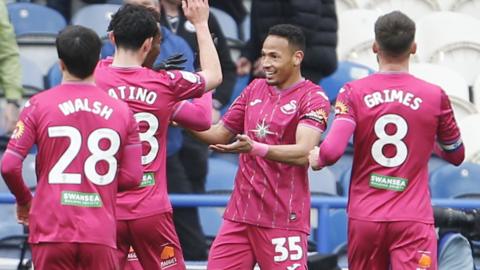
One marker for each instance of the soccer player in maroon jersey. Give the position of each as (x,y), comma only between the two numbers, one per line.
(396,121)
(88,148)
(274,122)
(145,215)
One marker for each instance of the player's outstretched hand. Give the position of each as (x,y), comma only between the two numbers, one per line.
(174,62)
(243,144)
(22,213)
(196,11)
(313,158)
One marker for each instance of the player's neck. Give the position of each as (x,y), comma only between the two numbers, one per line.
(393,65)
(69,78)
(127,58)
(294,79)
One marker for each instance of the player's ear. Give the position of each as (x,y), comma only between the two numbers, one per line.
(413,48)
(111,37)
(375,47)
(298,58)
(147,44)
(62,65)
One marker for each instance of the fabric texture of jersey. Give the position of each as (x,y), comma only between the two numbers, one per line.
(75,197)
(151,96)
(397,118)
(269,193)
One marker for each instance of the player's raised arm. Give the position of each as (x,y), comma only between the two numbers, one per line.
(195,115)
(197,12)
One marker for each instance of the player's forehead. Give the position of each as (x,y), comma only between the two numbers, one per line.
(275,44)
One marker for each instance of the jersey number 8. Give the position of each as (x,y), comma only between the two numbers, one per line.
(393,139)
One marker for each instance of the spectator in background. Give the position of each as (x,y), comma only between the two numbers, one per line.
(192,162)
(317,19)
(10,71)
(235,8)
(65,6)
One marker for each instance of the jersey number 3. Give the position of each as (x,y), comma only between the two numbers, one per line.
(58,176)
(395,139)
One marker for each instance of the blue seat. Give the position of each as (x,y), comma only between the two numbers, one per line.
(32,77)
(228,25)
(449,181)
(337,229)
(96,16)
(211,220)
(221,175)
(347,71)
(322,182)
(34,19)
(54,76)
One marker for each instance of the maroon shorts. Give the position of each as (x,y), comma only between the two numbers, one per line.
(154,241)
(401,244)
(240,246)
(81,256)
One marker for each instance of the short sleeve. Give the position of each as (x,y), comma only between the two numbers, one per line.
(186,85)
(448,133)
(344,105)
(24,135)
(234,118)
(314,109)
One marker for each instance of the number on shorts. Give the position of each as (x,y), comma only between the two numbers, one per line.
(395,139)
(293,251)
(149,135)
(57,174)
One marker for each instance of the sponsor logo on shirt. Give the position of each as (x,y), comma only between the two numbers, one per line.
(261,130)
(340,108)
(148,179)
(132,256)
(255,102)
(18,131)
(319,116)
(289,108)
(189,76)
(74,198)
(167,256)
(425,261)
(388,182)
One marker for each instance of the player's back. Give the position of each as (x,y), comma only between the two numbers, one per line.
(397,118)
(79,132)
(151,96)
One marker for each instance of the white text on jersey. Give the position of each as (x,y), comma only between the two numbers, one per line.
(392,95)
(79,104)
(133,93)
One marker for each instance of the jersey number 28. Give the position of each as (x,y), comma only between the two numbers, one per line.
(58,175)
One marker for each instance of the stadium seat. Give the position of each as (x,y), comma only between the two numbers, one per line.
(346,71)
(459,50)
(31,19)
(96,17)
(452,82)
(470,130)
(337,226)
(211,220)
(343,5)
(468,7)
(221,176)
(32,77)
(322,182)
(476,91)
(229,27)
(450,181)
(345,182)
(454,252)
(356,36)
(415,9)
(54,76)
(245,28)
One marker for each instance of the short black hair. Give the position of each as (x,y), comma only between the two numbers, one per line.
(132,25)
(394,33)
(79,49)
(294,35)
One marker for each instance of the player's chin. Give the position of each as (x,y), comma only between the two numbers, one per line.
(271,80)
